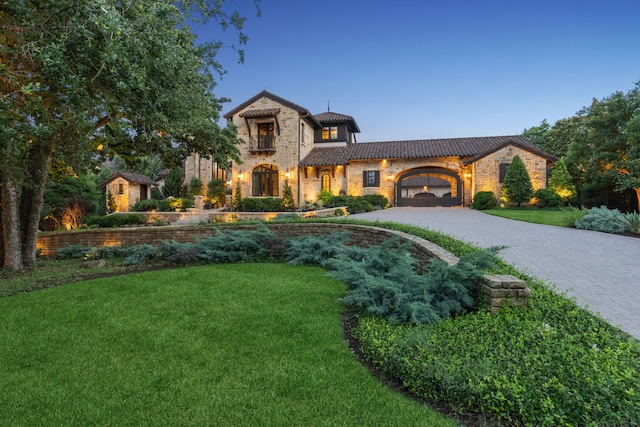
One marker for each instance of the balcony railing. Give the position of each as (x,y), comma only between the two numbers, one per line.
(262,145)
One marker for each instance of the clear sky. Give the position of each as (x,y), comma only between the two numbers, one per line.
(422,69)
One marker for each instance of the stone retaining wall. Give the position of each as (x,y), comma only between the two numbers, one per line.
(495,288)
(217,216)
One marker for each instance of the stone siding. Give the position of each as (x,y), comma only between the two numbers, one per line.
(349,178)
(486,171)
(129,196)
(293,143)
(494,288)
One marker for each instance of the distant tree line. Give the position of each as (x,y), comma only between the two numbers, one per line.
(600,149)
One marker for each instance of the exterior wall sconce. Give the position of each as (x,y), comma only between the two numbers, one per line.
(287,175)
(240,176)
(390,178)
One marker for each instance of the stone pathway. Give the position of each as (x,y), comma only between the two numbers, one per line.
(602,271)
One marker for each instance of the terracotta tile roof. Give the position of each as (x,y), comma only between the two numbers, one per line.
(265,112)
(304,113)
(326,156)
(473,148)
(331,117)
(131,177)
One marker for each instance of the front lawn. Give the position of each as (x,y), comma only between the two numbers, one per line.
(562,218)
(225,345)
(553,364)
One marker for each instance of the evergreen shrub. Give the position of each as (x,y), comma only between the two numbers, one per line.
(602,219)
(325,196)
(74,251)
(547,198)
(262,204)
(147,205)
(216,192)
(227,246)
(288,203)
(484,200)
(195,187)
(384,283)
(317,250)
(115,220)
(376,200)
(354,204)
(561,182)
(171,204)
(516,187)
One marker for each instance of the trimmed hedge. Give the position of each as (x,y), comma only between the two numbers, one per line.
(262,204)
(115,220)
(484,200)
(354,204)
(547,198)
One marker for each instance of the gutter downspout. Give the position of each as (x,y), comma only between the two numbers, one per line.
(302,116)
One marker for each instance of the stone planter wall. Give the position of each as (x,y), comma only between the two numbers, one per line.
(494,288)
(212,215)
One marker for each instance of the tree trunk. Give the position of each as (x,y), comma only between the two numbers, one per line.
(12,242)
(32,201)
(1,233)
(638,198)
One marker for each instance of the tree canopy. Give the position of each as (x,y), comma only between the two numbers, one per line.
(86,79)
(607,144)
(600,144)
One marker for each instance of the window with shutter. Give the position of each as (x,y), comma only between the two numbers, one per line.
(371,179)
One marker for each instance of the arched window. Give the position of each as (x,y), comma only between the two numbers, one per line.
(265,181)
(326,182)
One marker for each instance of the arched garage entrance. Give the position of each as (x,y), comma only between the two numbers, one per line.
(429,187)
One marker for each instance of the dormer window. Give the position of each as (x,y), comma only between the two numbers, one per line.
(330,132)
(266,136)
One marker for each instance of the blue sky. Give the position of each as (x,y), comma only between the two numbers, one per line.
(421,69)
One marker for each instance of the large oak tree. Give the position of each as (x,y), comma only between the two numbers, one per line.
(82,78)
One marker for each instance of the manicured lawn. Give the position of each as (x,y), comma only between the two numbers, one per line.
(226,345)
(550,217)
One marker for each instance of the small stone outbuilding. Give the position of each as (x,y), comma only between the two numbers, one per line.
(127,189)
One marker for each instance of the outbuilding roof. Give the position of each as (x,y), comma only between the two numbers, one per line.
(130,177)
(472,149)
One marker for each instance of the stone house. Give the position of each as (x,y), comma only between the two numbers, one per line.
(127,189)
(284,141)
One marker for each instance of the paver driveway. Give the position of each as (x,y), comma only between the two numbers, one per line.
(602,271)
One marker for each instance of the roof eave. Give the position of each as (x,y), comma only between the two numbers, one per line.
(516,143)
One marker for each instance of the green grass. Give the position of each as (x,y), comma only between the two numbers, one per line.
(560,218)
(51,272)
(226,345)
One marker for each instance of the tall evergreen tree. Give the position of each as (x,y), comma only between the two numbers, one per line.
(173,184)
(516,187)
(287,196)
(561,181)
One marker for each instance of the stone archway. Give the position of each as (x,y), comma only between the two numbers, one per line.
(429,187)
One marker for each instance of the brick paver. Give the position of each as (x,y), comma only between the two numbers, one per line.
(602,271)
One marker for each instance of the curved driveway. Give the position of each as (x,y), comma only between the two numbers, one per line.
(602,271)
